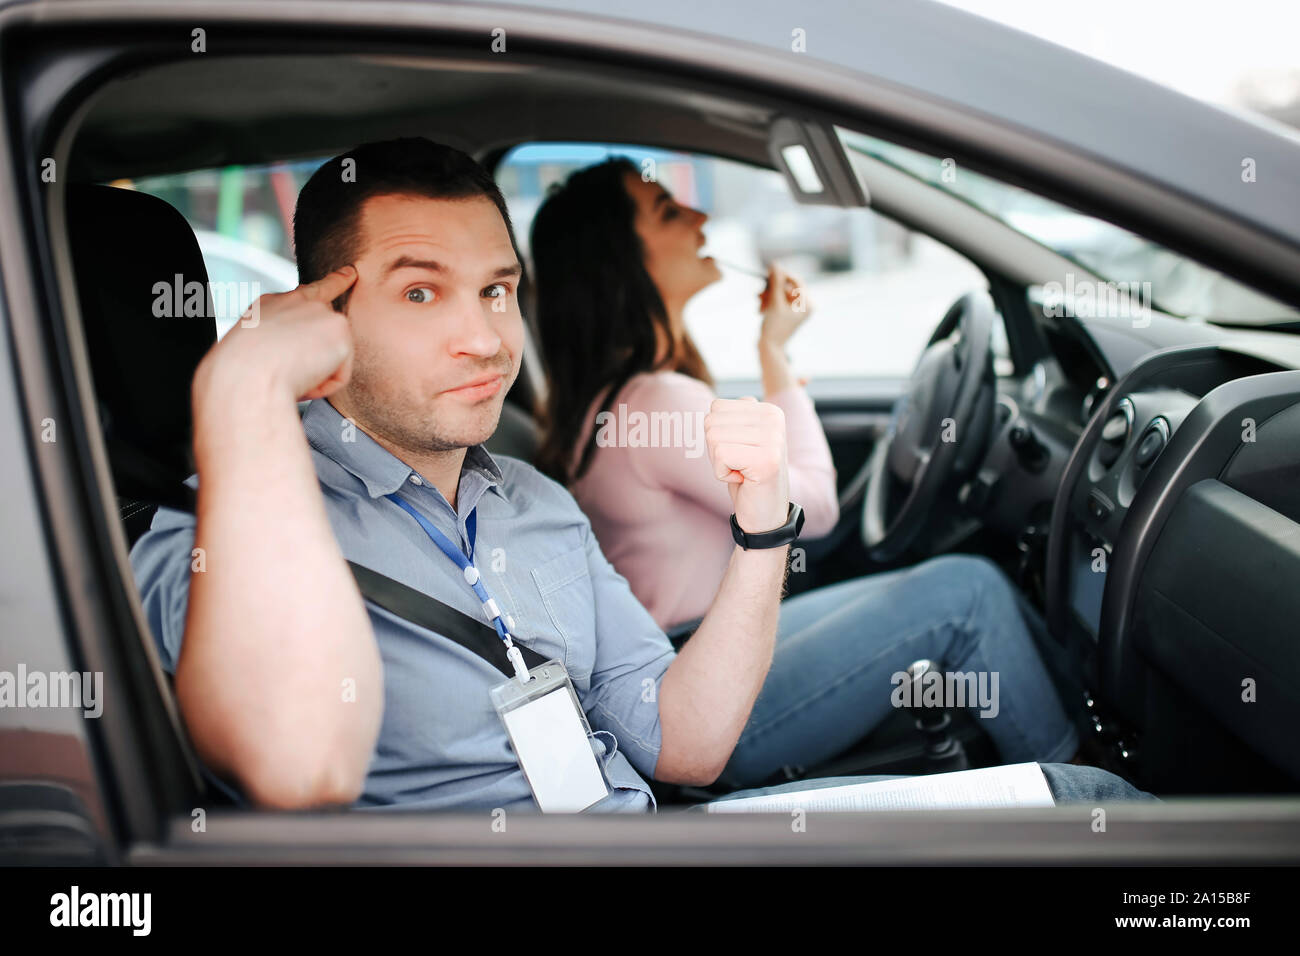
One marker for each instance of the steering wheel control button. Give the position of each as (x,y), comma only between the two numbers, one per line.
(1098,506)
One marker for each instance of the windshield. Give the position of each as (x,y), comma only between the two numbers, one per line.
(1178,286)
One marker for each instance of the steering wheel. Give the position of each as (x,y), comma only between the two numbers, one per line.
(937,430)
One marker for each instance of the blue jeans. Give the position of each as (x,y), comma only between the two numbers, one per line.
(1069,784)
(837,648)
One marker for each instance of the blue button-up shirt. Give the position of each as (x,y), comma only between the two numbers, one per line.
(441,744)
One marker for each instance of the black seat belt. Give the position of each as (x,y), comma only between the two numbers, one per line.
(428,612)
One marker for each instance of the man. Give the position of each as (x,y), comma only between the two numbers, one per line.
(406,335)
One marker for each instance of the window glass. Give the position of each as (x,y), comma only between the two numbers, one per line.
(878,289)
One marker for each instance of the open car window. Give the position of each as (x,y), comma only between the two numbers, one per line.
(877,288)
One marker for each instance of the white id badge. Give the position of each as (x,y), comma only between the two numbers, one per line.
(551,738)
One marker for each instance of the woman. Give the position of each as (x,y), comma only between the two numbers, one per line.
(616,260)
(646,363)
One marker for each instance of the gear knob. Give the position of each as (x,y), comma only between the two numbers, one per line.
(942,748)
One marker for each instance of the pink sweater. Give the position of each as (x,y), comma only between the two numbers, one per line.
(660,515)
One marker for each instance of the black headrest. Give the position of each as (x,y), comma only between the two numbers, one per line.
(148,320)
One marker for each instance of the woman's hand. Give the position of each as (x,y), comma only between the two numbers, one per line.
(785,306)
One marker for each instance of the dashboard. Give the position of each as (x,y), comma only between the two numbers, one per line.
(1054,482)
(1151,479)
(1131,441)
(1113,458)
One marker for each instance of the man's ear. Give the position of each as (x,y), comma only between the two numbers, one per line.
(341,303)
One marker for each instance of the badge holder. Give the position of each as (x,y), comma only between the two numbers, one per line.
(552,739)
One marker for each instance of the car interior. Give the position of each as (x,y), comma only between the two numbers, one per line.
(1139,480)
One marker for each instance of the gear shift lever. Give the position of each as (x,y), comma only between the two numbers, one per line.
(942,750)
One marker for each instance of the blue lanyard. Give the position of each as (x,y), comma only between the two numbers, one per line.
(502,622)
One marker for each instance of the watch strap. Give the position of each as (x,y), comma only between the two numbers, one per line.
(776,538)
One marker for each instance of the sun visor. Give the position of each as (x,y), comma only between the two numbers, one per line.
(813,163)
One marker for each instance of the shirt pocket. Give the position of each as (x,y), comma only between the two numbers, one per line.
(564,583)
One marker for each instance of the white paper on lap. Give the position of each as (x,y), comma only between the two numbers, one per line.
(1013,785)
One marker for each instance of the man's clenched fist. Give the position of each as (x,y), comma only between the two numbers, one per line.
(746,442)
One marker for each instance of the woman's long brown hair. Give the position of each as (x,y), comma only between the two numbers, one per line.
(597,310)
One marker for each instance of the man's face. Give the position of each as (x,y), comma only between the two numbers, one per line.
(435,322)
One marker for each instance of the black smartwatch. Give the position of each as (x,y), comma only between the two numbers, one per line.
(776,538)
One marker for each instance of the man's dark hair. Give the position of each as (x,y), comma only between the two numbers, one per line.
(327,220)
